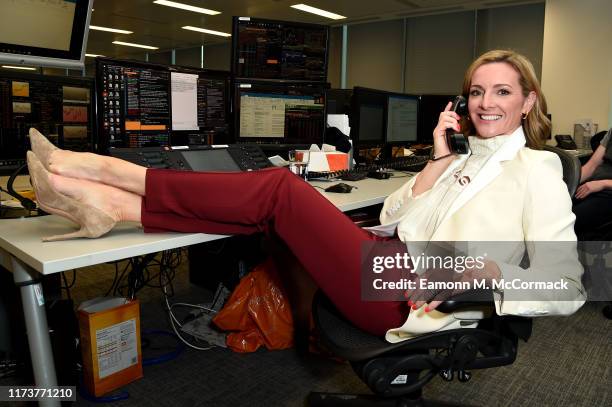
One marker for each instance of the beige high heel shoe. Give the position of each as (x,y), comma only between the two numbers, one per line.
(41,146)
(93,221)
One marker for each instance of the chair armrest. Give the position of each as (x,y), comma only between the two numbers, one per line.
(468,299)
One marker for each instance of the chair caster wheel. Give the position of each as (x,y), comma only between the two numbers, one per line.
(464,376)
(447,374)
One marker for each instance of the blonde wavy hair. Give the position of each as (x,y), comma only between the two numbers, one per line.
(536,125)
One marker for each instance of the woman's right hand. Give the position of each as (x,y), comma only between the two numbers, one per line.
(448,120)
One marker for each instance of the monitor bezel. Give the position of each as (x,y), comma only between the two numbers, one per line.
(73,58)
(103,147)
(234,51)
(268,141)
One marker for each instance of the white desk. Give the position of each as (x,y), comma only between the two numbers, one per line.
(23,252)
(368,192)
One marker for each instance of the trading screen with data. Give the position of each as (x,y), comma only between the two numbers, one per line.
(59,107)
(267,49)
(156,105)
(279,113)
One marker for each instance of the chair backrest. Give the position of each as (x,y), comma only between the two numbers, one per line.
(596,139)
(571,168)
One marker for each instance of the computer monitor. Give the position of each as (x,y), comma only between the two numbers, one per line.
(430,107)
(43,32)
(279,113)
(59,107)
(142,104)
(269,49)
(367,118)
(338,101)
(402,119)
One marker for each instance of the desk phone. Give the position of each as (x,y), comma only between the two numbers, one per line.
(243,157)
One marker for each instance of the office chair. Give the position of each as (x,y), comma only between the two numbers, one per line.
(596,139)
(603,234)
(397,372)
(571,168)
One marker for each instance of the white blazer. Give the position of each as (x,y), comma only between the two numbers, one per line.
(518,197)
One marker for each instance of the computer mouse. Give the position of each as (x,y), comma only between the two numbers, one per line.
(340,187)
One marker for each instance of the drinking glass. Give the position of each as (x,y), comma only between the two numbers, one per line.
(298,162)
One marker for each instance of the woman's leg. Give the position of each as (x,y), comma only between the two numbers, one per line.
(323,239)
(591,213)
(99,168)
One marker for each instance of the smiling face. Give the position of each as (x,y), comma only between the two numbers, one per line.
(496,101)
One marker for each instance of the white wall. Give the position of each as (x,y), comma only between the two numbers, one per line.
(438,51)
(577,62)
(375,55)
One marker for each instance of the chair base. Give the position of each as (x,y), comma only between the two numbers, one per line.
(316,399)
(607,311)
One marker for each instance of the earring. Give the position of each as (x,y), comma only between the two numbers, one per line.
(524,116)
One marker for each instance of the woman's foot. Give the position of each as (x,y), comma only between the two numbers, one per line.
(88,166)
(118,204)
(96,208)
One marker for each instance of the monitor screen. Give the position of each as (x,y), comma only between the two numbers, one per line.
(430,107)
(402,119)
(59,107)
(210,160)
(367,117)
(144,104)
(267,49)
(279,113)
(44,32)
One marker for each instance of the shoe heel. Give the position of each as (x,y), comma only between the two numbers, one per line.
(79,233)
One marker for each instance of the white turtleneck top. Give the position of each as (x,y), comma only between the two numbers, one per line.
(426,211)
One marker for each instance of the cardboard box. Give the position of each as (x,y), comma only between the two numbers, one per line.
(324,161)
(110,343)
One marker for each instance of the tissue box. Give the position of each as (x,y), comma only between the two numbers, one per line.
(321,161)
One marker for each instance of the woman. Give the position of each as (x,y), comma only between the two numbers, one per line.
(594,195)
(503,98)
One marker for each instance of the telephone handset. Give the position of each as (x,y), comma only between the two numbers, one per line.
(457,142)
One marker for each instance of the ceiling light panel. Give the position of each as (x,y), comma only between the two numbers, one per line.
(187,7)
(317,11)
(110,30)
(24,68)
(131,44)
(206,31)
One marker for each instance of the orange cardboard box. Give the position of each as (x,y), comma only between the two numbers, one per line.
(110,343)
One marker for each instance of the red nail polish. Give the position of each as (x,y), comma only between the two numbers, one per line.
(410,303)
(414,307)
(427,309)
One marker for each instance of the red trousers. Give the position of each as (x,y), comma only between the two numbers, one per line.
(325,241)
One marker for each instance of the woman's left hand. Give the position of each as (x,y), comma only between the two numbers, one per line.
(434,297)
(588,188)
